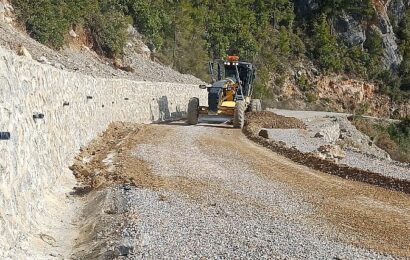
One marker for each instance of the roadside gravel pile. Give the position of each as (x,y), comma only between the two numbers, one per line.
(266,119)
(300,145)
(359,151)
(372,163)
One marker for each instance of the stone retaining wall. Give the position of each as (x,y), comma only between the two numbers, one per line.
(50,114)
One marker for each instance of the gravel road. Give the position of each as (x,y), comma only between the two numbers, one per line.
(208,192)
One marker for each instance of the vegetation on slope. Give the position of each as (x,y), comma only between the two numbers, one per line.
(186,33)
(394,138)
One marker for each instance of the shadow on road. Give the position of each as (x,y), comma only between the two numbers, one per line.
(210,124)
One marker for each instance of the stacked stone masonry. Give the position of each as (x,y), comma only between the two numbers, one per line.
(50,114)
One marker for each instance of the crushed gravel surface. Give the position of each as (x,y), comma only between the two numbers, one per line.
(361,153)
(379,165)
(208,192)
(297,138)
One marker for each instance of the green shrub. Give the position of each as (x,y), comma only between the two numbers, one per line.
(109,31)
(303,83)
(362,109)
(311,97)
(284,41)
(45,20)
(400,133)
(374,44)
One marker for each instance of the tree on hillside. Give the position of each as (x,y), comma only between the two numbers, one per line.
(404,36)
(284,41)
(326,47)
(186,48)
(44,20)
(332,8)
(151,21)
(231,29)
(374,44)
(109,32)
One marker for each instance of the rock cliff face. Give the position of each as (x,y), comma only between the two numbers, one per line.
(396,10)
(336,93)
(306,7)
(6,11)
(353,28)
(383,26)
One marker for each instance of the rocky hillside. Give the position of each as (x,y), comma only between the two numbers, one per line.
(373,26)
(310,54)
(79,56)
(305,90)
(354,26)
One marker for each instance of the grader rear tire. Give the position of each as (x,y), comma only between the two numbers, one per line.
(239,116)
(255,105)
(193,105)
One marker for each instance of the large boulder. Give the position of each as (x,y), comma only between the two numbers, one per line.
(397,11)
(332,152)
(330,133)
(265,134)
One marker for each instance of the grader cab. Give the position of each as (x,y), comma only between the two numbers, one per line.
(229,95)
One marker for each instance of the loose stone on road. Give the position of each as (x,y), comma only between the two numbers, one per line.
(207,191)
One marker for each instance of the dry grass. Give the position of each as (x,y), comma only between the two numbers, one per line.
(379,133)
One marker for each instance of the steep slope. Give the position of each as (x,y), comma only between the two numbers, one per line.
(354,27)
(82,59)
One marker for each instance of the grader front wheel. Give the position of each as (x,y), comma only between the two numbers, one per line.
(239,116)
(193,106)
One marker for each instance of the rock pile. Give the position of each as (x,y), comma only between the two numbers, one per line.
(266,119)
(329,132)
(332,152)
(329,158)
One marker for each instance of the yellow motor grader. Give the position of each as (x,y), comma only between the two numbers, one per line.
(230,95)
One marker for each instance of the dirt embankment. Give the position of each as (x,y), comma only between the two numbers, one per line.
(337,93)
(266,119)
(101,163)
(258,120)
(110,160)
